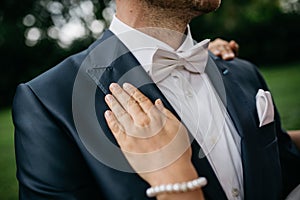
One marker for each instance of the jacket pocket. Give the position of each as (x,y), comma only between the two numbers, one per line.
(267,135)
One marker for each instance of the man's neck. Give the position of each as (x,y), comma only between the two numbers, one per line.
(167,25)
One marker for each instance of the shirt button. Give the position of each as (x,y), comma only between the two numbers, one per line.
(235,192)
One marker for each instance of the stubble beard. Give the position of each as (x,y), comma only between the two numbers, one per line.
(189,6)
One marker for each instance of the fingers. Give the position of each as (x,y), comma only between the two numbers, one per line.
(215,46)
(133,103)
(139,97)
(130,107)
(225,50)
(159,105)
(214,49)
(234,46)
(114,125)
(118,111)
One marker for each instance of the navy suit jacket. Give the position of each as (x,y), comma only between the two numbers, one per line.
(55,161)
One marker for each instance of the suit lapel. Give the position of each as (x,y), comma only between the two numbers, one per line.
(240,108)
(123,67)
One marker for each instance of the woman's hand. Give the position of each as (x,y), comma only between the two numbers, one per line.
(225,50)
(153,140)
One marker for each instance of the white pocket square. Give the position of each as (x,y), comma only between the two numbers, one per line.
(264,106)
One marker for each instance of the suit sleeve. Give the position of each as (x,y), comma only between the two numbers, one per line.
(49,164)
(289,153)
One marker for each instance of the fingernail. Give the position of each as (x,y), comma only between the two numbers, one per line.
(114,86)
(159,104)
(228,56)
(127,86)
(109,98)
(108,114)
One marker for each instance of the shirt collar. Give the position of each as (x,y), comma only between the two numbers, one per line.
(142,45)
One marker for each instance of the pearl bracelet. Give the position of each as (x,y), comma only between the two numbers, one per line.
(177,187)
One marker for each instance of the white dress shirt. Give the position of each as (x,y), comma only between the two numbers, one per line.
(194,98)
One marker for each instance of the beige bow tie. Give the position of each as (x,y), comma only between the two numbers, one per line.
(165,61)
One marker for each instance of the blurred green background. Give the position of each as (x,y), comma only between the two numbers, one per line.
(37,34)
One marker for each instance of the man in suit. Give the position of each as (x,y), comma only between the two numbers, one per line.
(66,150)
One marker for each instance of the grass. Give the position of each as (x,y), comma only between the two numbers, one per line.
(284,83)
(8,183)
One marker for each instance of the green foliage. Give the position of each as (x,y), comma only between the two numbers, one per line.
(20,59)
(265,33)
(234,15)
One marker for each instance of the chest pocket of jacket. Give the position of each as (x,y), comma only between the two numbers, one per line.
(267,135)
